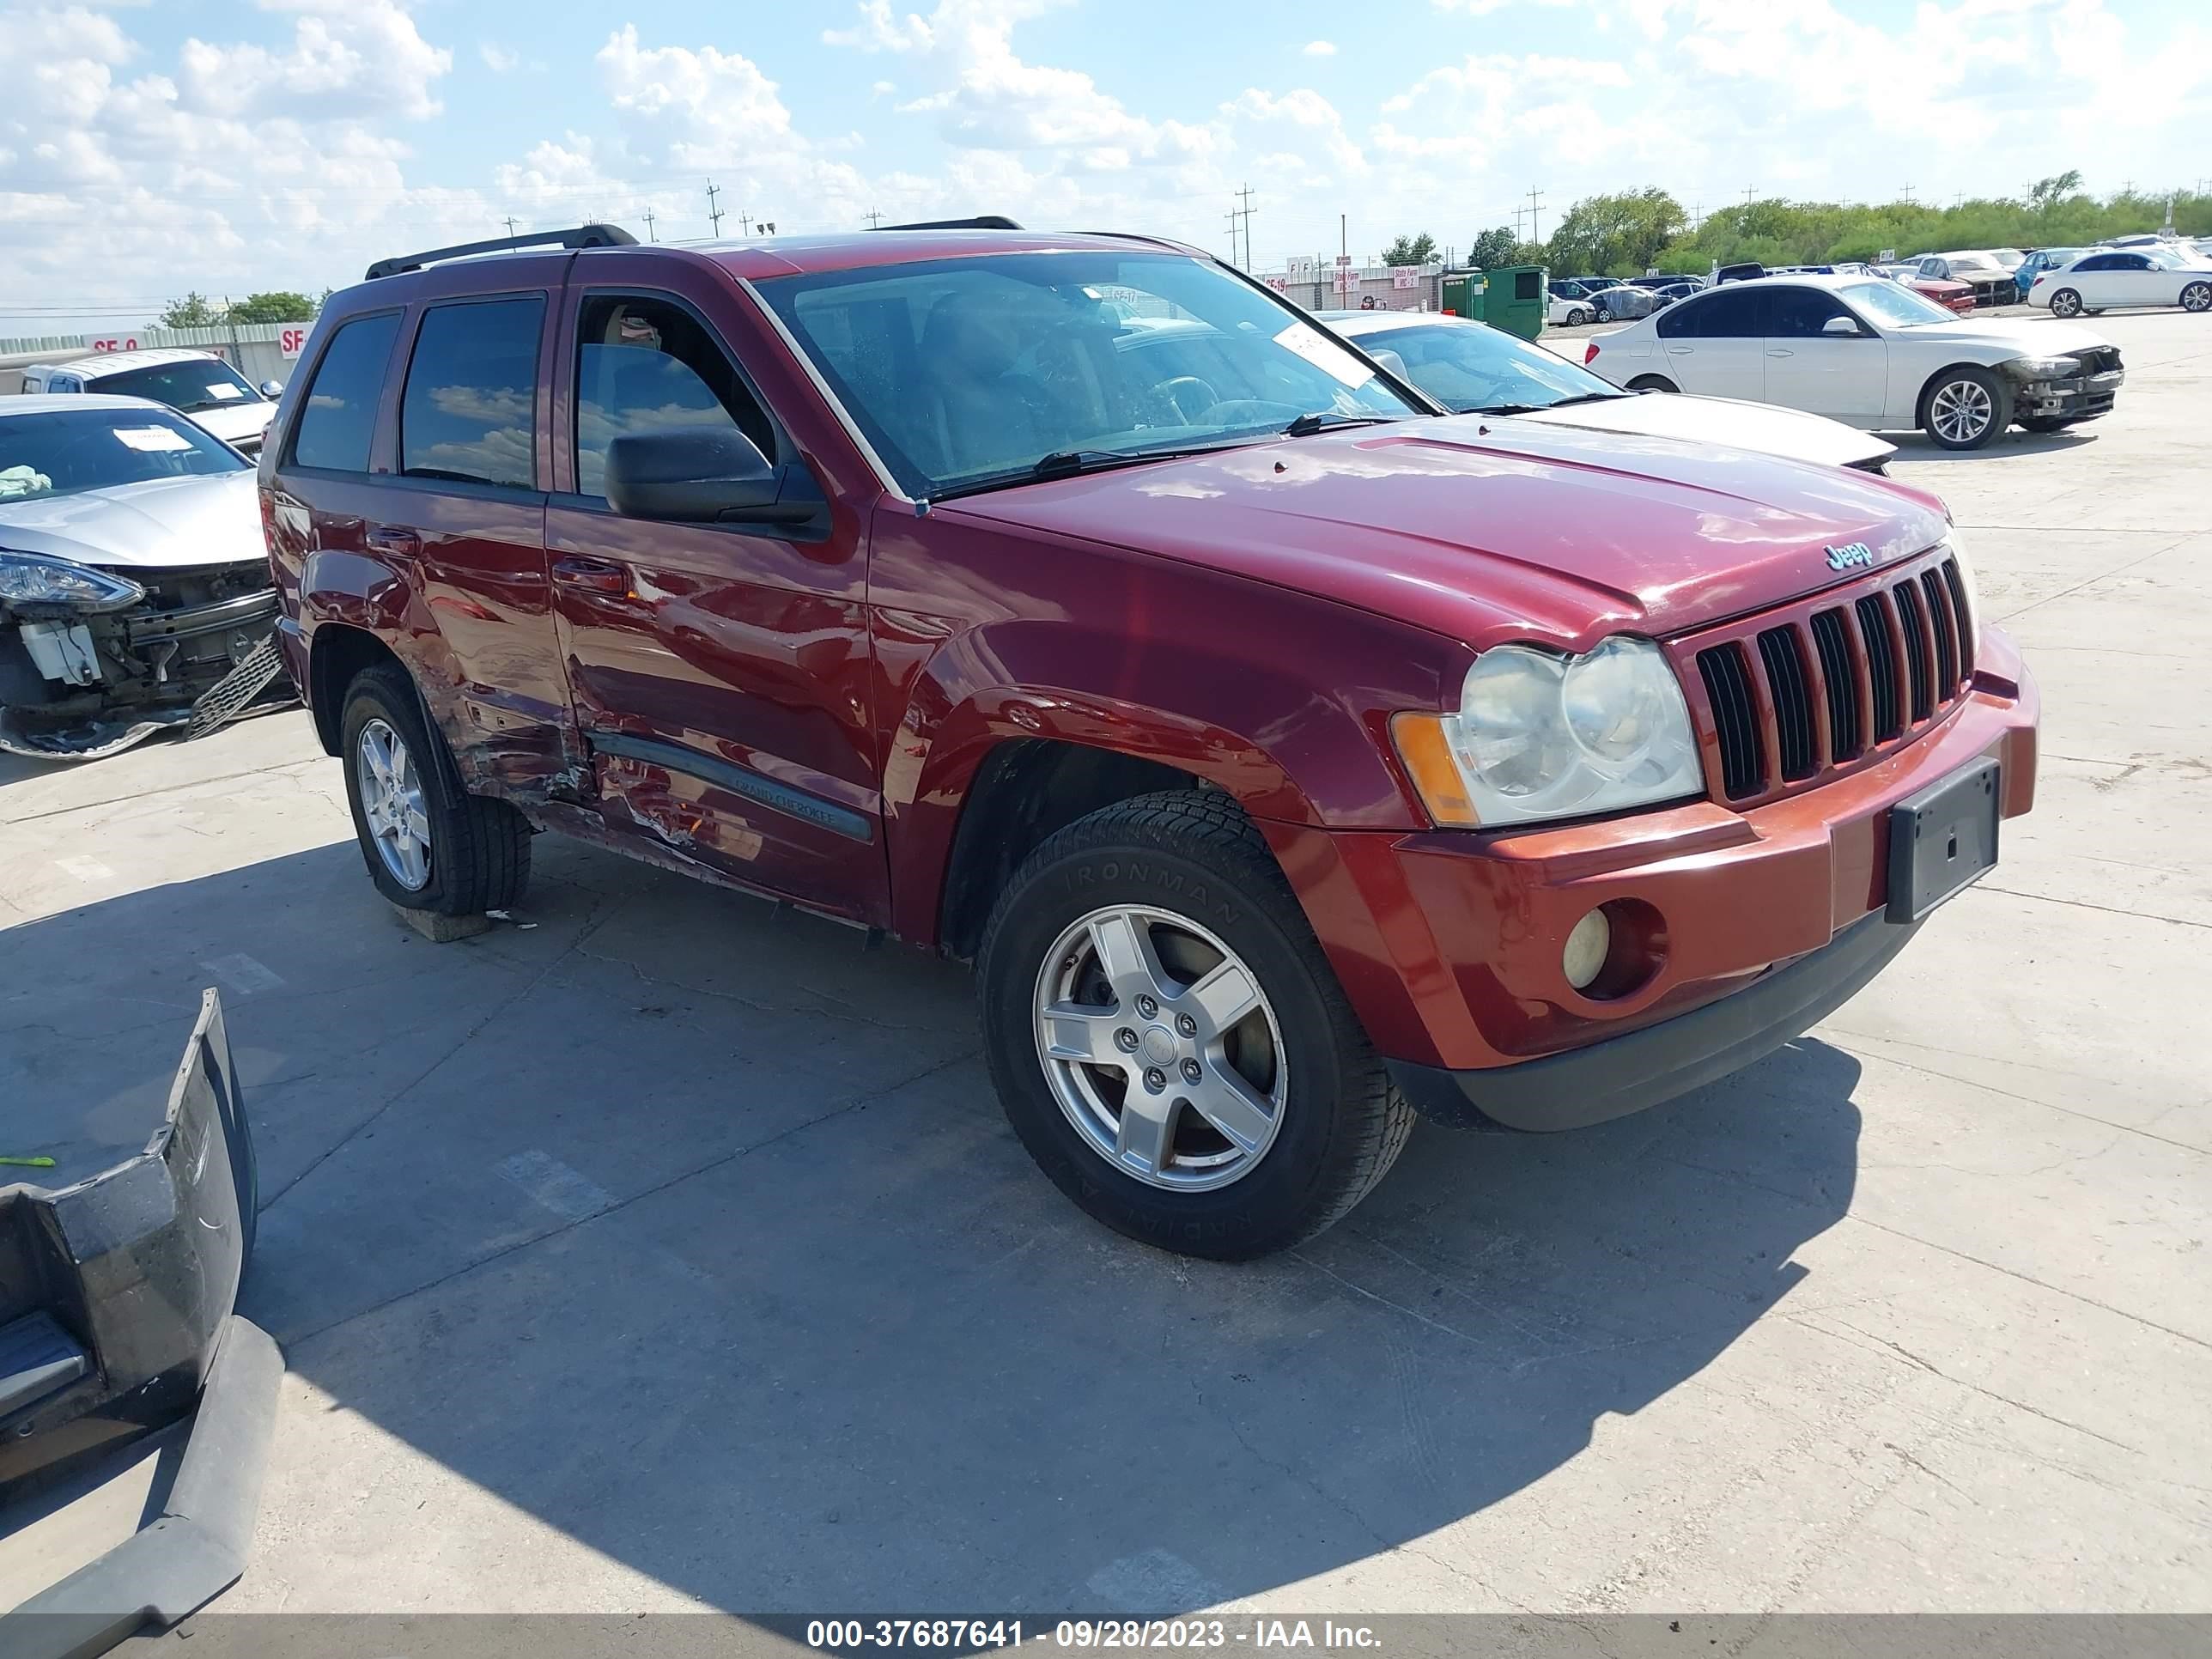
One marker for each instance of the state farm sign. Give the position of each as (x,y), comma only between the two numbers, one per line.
(291,339)
(116,343)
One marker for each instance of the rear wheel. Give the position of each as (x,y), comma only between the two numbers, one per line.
(429,844)
(2066,303)
(1169,1042)
(1652,383)
(1965,407)
(2198,296)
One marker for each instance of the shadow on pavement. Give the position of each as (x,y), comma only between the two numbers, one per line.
(690,1227)
(1918,447)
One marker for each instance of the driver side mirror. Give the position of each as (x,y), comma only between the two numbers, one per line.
(702,475)
(272,390)
(1842,326)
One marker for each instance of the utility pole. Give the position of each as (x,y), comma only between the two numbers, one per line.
(1750,190)
(510,224)
(649,236)
(714,212)
(1245,194)
(746,222)
(1535,203)
(1343,249)
(1231,217)
(873,218)
(1910,200)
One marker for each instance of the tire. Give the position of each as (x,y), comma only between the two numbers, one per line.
(2065,302)
(475,850)
(1965,407)
(2197,297)
(1320,1121)
(1652,383)
(1580,317)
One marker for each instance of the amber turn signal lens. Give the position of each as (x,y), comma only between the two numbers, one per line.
(1427,754)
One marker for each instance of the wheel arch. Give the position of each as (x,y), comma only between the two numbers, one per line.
(1928,383)
(337,655)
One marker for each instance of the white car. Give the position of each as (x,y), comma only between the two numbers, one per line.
(1869,353)
(1474,368)
(196,384)
(1569,311)
(135,593)
(2168,276)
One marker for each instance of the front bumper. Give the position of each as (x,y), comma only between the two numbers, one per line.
(116,1291)
(2077,398)
(1449,943)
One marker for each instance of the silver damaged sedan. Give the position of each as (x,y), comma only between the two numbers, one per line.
(134,591)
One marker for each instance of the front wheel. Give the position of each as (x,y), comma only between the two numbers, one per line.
(1169,1042)
(1652,383)
(1579,318)
(429,844)
(1965,408)
(2066,303)
(2198,296)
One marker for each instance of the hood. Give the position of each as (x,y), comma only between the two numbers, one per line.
(1484,529)
(1760,427)
(159,524)
(2024,337)
(231,422)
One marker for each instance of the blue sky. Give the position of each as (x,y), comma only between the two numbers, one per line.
(150,148)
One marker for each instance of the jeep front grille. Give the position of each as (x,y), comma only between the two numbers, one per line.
(1791,697)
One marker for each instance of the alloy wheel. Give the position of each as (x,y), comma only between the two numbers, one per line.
(1161,1048)
(2198,296)
(1961,410)
(2066,303)
(391,802)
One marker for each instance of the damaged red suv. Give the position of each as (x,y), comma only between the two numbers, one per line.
(1288,755)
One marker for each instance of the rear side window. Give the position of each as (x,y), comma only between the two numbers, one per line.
(339,413)
(646,365)
(472,389)
(1726,314)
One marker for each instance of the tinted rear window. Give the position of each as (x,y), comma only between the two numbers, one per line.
(340,410)
(466,414)
(1722,315)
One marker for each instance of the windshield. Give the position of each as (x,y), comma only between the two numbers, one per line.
(968,372)
(1895,305)
(64,454)
(202,383)
(1472,368)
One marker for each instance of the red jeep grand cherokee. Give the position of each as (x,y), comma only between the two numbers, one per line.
(1288,755)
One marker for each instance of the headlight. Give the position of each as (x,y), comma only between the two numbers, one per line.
(34,579)
(2042,369)
(1539,736)
(1956,539)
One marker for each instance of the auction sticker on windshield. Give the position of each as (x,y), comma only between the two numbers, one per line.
(151,439)
(1324,353)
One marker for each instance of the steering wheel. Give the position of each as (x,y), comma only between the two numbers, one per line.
(1170,389)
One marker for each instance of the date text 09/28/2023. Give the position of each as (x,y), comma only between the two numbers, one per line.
(856,1635)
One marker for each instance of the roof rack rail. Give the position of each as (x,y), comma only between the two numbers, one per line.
(581,237)
(980,221)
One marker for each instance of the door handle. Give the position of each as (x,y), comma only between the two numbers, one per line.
(390,539)
(594,575)
(1779,351)
(1680,351)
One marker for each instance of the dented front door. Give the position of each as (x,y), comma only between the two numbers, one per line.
(718,672)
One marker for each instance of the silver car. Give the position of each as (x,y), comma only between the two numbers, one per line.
(135,593)
(1625,303)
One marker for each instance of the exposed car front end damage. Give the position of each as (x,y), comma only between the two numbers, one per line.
(2067,386)
(135,596)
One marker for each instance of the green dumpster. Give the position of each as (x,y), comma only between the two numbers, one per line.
(1510,297)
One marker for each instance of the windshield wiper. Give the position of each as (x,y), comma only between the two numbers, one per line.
(1070,462)
(1531,408)
(1320,420)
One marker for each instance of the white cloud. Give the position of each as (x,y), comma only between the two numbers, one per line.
(1320,48)
(498,59)
(360,58)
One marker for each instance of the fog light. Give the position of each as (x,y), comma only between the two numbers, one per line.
(1586,949)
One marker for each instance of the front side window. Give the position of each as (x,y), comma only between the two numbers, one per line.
(966,372)
(472,389)
(1800,314)
(338,416)
(1470,368)
(646,365)
(65,454)
(201,384)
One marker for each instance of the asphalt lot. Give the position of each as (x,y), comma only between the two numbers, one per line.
(671,1250)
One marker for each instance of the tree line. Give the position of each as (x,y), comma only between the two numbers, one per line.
(1626,234)
(278,306)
